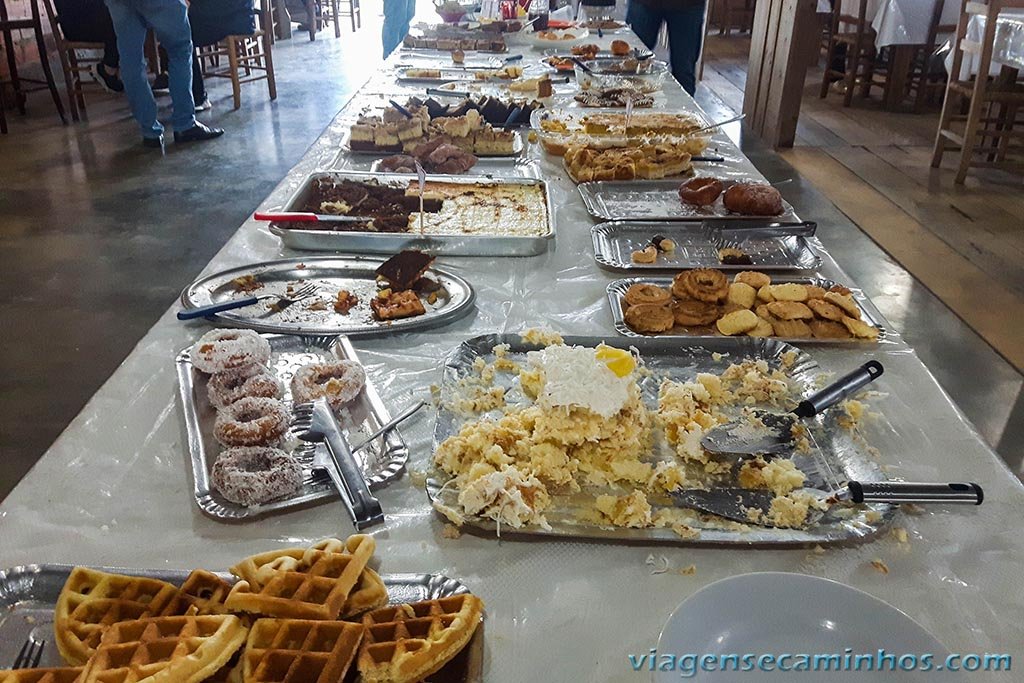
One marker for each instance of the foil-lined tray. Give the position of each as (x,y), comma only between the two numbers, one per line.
(615,242)
(617,295)
(657,200)
(680,360)
(28,597)
(380,461)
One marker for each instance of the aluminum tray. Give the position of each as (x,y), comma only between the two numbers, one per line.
(656,200)
(28,597)
(390,243)
(617,291)
(380,461)
(615,242)
(679,360)
(355,274)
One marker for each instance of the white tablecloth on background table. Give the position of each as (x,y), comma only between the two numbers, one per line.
(899,22)
(114,489)
(1007,47)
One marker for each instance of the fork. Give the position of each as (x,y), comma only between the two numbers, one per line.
(29,657)
(282,303)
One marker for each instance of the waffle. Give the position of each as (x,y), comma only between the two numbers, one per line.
(313,587)
(68,675)
(185,649)
(369,592)
(92,600)
(299,651)
(407,643)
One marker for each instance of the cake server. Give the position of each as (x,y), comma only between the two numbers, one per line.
(316,422)
(306,217)
(774,434)
(735,503)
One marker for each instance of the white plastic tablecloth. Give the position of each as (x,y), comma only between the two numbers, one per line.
(114,489)
(1007,46)
(899,22)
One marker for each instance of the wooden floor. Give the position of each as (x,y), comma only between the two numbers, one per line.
(965,243)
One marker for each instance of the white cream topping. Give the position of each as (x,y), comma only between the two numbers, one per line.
(575,378)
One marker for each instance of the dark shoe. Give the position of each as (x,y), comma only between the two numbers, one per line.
(153,143)
(108,82)
(197,132)
(161,84)
(203,104)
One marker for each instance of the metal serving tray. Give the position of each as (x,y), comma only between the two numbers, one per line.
(355,274)
(391,243)
(617,292)
(680,360)
(615,242)
(380,461)
(28,597)
(656,200)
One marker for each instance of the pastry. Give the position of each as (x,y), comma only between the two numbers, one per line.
(828,329)
(700,191)
(694,313)
(734,256)
(299,651)
(742,294)
(641,293)
(790,291)
(737,322)
(845,302)
(859,328)
(649,318)
(648,254)
(255,475)
(796,329)
(753,278)
(403,269)
(753,199)
(392,305)
(826,310)
(706,284)
(763,328)
(789,310)
(620,48)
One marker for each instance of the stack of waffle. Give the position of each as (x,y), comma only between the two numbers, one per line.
(282,621)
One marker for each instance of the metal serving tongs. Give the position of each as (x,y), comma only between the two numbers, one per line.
(732,233)
(736,503)
(772,433)
(316,422)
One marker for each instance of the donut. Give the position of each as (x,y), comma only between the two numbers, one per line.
(700,191)
(642,293)
(706,284)
(338,381)
(649,318)
(250,475)
(224,388)
(753,199)
(223,350)
(252,421)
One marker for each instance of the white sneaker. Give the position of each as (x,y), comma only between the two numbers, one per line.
(204,105)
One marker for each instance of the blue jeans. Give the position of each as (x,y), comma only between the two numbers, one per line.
(685,34)
(169,19)
(398,15)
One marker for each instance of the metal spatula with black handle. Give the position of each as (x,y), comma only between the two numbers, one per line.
(735,503)
(744,437)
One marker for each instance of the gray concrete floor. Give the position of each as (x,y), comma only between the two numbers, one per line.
(99,236)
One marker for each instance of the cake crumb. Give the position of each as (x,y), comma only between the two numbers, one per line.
(451,531)
(899,534)
(541,337)
(880,566)
(418,477)
(687,571)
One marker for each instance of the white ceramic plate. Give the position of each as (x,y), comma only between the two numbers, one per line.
(774,612)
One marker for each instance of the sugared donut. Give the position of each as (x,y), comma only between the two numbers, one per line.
(701,191)
(252,422)
(253,475)
(224,388)
(753,199)
(223,350)
(338,381)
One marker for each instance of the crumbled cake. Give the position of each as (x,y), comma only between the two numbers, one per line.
(631,511)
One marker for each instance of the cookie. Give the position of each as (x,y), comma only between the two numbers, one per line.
(763,329)
(642,293)
(649,318)
(742,294)
(815,292)
(860,329)
(791,291)
(765,294)
(824,309)
(753,278)
(791,329)
(828,329)
(693,313)
(737,322)
(790,310)
(845,302)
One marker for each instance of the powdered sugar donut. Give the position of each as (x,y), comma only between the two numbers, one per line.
(338,381)
(252,421)
(223,350)
(253,475)
(224,388)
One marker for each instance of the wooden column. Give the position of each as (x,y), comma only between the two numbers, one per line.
(786,33)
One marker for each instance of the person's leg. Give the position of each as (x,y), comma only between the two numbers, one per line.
(645,22)
(198,84)
(169,18)
(131,39)
(685,34)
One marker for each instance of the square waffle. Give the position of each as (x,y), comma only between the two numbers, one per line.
(315,587)
(185,649)
(409,642)
(68,675)
(92,600)
(299,651)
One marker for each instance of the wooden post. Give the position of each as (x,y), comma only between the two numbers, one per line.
(785,33)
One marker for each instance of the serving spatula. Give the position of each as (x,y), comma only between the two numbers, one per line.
(744,437)
(734,503)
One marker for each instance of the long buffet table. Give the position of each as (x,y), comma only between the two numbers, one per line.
(114,489)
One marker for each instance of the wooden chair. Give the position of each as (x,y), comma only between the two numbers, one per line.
(249,58)
(31,23)
(988,126)
(74,65)
(922,84)
(860,52)
(332,12)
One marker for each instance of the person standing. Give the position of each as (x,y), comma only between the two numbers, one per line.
(398,15)
(685,19)
(169,19)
